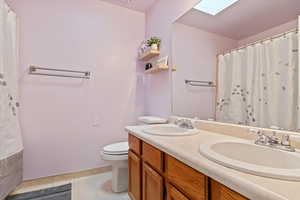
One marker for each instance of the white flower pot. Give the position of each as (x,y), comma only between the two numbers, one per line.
(154,47)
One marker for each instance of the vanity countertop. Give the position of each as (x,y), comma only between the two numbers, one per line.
(186,149)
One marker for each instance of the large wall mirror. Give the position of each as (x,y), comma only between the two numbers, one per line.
(237,62)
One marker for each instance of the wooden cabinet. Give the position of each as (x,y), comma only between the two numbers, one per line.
(188,180)
(153,156)
(174,194)
(135,180)
(154,175)
(135,144)
(153,188)
(221,192)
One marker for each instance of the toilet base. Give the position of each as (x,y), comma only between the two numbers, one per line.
(120,176)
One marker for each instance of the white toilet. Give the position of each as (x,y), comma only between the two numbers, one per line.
(117,154)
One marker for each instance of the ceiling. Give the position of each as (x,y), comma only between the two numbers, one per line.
(139,5)
(245,18)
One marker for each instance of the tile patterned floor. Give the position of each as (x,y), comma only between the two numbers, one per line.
(96,187)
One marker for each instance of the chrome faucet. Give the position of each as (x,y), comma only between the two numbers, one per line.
(184,123)
(275,142)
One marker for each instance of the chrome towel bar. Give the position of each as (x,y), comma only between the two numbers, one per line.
(200,83)
(33,70)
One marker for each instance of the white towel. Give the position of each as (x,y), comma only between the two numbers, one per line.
(152,120)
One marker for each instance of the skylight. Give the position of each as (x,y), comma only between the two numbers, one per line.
(213,7)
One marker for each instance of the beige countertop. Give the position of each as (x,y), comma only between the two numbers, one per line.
(185,149)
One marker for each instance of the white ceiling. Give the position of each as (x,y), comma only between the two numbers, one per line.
(139,5)
(245,18)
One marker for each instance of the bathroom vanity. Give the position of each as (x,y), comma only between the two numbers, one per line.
(156,175)
(163,167)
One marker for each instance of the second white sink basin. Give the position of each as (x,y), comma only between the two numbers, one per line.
(169,130)
(245,156)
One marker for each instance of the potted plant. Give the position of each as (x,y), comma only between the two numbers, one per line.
(154,43)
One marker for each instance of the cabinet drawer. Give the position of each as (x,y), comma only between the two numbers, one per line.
(135,144)
(174,194)
(191,182)
(221,192)
(153,156)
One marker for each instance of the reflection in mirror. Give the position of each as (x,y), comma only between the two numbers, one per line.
(238,64)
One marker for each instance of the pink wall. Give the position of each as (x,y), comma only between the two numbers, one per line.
(66,122)
(270,32)
(194,53)
(159,22)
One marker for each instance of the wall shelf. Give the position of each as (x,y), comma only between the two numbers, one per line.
(157,69)
(148,55)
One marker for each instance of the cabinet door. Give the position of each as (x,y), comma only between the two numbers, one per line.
(153,187)
(220,192)
(135,180)
(191,182)
(174,194)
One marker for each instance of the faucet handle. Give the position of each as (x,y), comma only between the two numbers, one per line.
(177,121)
(285,140)
(262,138)
(274,137)
(189,124)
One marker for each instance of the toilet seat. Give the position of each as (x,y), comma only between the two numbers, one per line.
(115,152)
(109,157)
(120,148)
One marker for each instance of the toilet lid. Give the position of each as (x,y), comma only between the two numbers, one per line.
(116,148)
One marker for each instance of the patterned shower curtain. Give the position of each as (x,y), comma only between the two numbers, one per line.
(258,85)
(11,146)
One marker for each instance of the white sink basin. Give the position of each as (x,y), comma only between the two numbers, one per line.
(245,156)
(169,130)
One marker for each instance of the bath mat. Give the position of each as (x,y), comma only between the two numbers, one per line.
(56,193)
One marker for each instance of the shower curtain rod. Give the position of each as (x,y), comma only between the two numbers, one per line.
(261,41)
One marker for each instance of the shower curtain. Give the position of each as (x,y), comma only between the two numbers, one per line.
(258,85)
(11,146)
